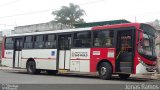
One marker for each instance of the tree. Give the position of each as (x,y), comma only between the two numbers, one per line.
(69,15)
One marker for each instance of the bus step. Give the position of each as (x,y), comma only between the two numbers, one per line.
(63,70)
(126,64)
(126,69)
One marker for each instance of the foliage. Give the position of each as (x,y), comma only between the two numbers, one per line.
(69,15)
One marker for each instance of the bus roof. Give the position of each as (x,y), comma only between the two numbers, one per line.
(54,31)
(81,29)
(137,25)
(102,23)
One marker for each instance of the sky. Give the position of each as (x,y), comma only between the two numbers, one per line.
(25,12)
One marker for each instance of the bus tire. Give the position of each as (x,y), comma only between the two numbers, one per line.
(52,72)
(105,71)
(31,68)
(124,76)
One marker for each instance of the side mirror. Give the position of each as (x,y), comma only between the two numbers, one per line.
(140,36)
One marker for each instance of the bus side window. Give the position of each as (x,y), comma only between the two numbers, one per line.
(50,41)
(9,43)
(39,41)
(103,38)
(82,39)
(28,42)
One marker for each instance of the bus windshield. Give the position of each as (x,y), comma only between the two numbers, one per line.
(146,48)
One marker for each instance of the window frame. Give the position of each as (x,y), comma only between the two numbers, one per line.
(45,41)
(113,39)
(32,41)
(9,43)
(73,39)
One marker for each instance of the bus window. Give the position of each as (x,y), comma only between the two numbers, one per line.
(39,41)
(50,41)
(18,43)
(28,42)
(125,41)
(103,38)
(82,39)
(146,47)
(9,43)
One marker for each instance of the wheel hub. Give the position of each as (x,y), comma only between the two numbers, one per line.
(103,70)
(30,68)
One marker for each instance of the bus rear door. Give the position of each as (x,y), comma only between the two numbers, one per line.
(64,46)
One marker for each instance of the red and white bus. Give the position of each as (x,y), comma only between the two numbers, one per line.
(123,49)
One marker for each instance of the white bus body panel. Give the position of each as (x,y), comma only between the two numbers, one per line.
(44,58)
(8,58)
(141,69)
(80,60)
(80,65)
(75,65)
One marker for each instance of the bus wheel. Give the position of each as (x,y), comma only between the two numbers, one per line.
(105,71)
(52,72)
(124,76)
(31,68)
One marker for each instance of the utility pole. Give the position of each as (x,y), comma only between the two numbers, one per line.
(135,18)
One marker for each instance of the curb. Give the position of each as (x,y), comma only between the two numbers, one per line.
(10,69)
(156,76)
(149,76)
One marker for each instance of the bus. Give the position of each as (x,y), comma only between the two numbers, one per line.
(122,49)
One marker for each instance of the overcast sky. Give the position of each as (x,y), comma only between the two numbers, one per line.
(26,12)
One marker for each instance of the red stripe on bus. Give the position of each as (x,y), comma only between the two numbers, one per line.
(42,58)
(7,58)
(34,58)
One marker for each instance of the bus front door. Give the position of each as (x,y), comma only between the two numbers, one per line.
(125,51)
(17,52)
(64,51)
